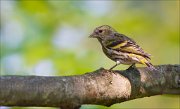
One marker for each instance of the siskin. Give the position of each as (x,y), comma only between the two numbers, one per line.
(120,48)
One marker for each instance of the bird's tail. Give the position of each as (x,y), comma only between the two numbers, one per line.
(150,66)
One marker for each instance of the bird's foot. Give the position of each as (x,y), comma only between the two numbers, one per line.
(112,71)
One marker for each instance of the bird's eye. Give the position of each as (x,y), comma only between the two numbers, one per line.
(100,31)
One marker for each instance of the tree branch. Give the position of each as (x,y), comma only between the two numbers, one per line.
(100,87)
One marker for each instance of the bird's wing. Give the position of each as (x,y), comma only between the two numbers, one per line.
(126,44)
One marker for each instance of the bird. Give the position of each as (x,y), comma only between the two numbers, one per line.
(121,48)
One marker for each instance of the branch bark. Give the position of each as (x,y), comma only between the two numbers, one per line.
(100,87)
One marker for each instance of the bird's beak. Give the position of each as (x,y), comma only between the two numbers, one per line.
(92,35)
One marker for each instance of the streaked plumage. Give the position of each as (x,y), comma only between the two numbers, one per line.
(120,48)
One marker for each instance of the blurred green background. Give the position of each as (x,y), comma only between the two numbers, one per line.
(50,38)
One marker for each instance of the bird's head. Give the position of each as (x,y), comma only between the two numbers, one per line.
(102,31)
